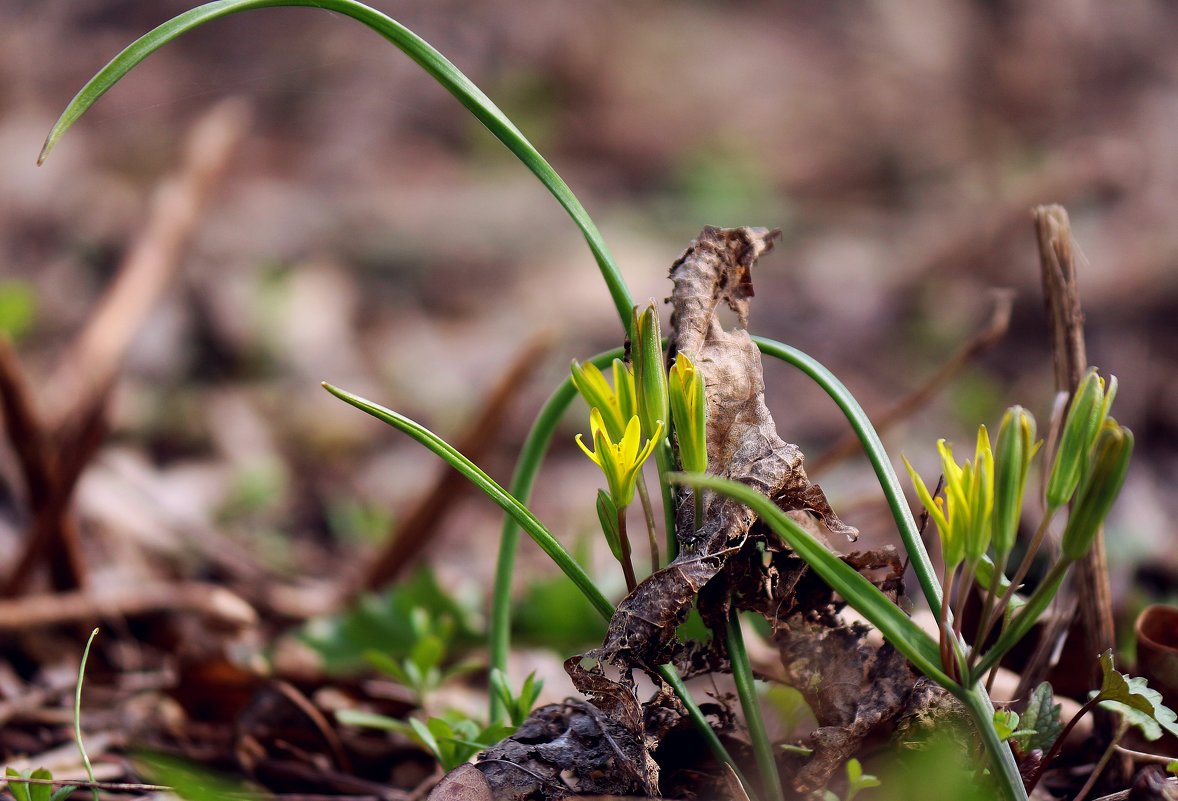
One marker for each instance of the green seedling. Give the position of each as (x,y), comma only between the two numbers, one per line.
(857,782)
(384,623)
(34,791)
(518,706)
(452,738)
(421,669)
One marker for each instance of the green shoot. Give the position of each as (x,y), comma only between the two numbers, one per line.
(518,706)
(78,713)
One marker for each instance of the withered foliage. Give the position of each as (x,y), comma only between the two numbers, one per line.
(854,685)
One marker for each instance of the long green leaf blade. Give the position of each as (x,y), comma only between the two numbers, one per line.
(429,59)
(926,575)
(863,596)
(500,496)
(527,467)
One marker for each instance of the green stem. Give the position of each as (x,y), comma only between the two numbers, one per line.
(1020,574)
(671,676)
(648,518)
(746,690)
(988,607)
(1026,617)
(1002,758)
(527,467)
(926,575)
(627,559)
(662,460)
(78,713)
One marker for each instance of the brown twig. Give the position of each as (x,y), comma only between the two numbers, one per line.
(91,365)
(208,600)
(423,520)
(994,330)
(1057,261)
(54,449)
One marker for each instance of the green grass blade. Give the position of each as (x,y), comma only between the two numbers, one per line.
(746,691)
(429,59)
(926,575)
(863,596)
(540,535)
(527,467)
(500,496)
(78,713)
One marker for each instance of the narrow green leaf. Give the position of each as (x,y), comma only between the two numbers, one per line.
(429,59)
(876,454)
(863,596)
(467,468)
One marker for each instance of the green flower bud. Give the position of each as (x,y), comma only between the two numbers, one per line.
(1075,443)
(980,477)
(650,376)
(615,404)
(1110,463)
(1012,463)
(607,514)
(689,410)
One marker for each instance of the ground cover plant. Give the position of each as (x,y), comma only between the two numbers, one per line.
(744,536)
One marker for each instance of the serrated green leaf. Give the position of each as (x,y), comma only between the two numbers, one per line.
(1042,716)
(1134,700)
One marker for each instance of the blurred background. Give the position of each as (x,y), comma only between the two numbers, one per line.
(369,232)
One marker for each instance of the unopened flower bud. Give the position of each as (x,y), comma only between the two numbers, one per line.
(689,410)
(1110,463)
(1012,462)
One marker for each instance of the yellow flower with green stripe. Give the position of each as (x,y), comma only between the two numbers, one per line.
(621,461)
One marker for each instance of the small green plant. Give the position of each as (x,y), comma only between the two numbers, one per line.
(422,670)
(34,791)
(518,706)
(857,782)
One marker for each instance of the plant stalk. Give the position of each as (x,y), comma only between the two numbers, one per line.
(746,690)
(1004,766)
(648,518)
(627,560)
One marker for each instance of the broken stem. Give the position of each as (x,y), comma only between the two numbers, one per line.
(746,690)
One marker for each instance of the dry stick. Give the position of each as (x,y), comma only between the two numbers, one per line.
(423,520)
(92,363)
(35,454)
(75,426)
(208,600)
(1062,298)
(995,329)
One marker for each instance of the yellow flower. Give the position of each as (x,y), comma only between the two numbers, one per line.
(616,404)
(964,516)
(619,462)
